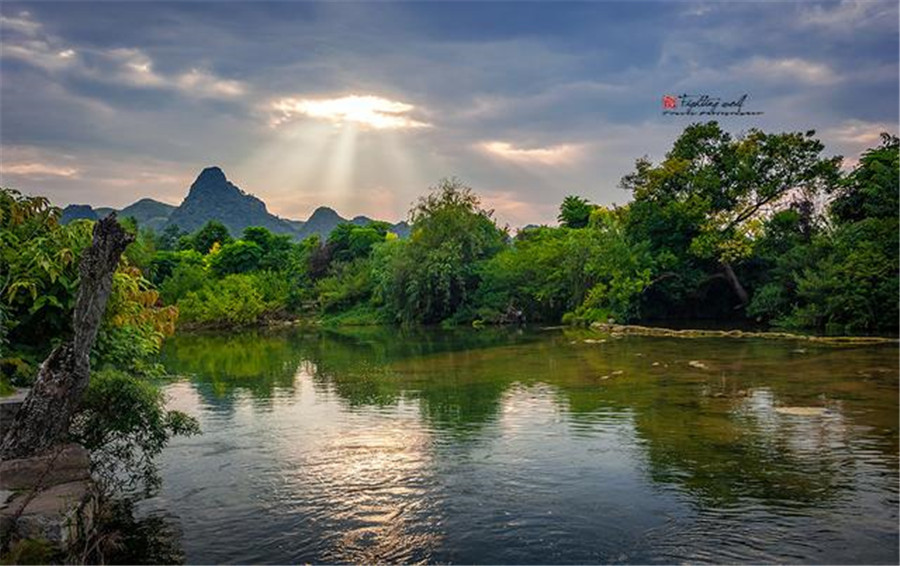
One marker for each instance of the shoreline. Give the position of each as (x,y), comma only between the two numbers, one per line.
(638,330)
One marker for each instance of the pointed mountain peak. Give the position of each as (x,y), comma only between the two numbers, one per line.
(211,175)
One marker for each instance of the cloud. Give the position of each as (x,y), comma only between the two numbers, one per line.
(22,24)
(852,137)
(127,66)
(37,170)
(550,155)
(135,68)
(858,132)
(789,69)
(366,110)
(203,83)
(849,15)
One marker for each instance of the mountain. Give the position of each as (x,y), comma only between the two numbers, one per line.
(148,213)
(77,212)
(322,221)
(213,197)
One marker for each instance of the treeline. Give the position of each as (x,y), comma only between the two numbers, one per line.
(758,227)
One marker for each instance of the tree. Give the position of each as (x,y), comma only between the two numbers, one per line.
(210,233)
(168,239)
(431,276)
(43,419)
(574,212)
(871,190)
(703,206)
(237,257)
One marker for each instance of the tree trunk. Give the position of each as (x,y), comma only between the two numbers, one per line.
(43,419)
(735,283)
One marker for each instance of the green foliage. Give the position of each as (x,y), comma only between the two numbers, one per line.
(123,421)
(704,207)
(432,276)
(38,267)
(233,301)
(574,212)
(349,241)
(236,257)
(168,239)
(209,234)
(871,190)
(350,283)
(595,272)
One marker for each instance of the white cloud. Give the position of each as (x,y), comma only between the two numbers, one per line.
(791,69)
(37,170)
(22,24)
(203,83)
(550,155)
(366,110)
(858,132)
(850,15)
(124,65)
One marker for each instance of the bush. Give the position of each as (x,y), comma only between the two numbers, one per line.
(233,301)
(122,420)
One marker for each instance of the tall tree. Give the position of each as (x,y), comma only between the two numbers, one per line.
(705,202)
(574,212)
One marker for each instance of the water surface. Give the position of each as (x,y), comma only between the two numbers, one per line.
(505,446)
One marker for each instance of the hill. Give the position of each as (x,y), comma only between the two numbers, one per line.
(213,197)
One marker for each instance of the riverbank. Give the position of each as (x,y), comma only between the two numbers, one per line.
(637,330)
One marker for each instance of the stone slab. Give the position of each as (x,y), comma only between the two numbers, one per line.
(73,463)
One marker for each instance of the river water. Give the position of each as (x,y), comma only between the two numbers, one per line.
(530,446)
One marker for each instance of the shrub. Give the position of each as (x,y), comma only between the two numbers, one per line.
(122,420)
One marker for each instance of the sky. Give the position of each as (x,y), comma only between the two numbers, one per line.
(364,106)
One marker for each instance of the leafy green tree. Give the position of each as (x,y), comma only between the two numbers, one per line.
(574,212)
(38,269)
(871,190)
(210,233)
(167,240)
(236,257)
(433,274)
(703,207)
(853,285)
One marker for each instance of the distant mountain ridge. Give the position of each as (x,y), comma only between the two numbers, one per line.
(212,197)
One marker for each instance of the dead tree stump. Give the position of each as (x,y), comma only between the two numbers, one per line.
(43,419)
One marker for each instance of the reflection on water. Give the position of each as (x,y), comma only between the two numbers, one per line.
(504,446)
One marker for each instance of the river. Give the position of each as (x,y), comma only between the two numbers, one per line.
(530,446)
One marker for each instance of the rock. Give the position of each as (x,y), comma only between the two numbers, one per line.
(58,514)
(801,411)
(9,406)
(697,364)
(654,364)
(72,463)
(49,497)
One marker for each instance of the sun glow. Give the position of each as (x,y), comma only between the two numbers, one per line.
(368,111)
